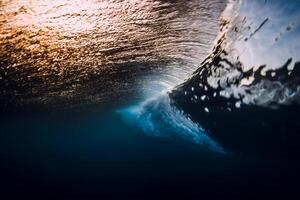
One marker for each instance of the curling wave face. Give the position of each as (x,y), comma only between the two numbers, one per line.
(246,93)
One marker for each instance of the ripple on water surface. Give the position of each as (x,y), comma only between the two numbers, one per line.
(92,51)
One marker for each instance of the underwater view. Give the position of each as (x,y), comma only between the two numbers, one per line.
(149,99)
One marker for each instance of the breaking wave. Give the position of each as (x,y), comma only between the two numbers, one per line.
(245,95)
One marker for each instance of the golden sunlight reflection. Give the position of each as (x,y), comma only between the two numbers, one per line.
(67,48)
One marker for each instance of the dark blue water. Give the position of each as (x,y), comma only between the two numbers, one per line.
(99,156)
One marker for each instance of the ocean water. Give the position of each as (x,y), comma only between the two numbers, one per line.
(149,99)
(101,156)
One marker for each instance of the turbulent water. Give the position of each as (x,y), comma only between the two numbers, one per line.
(68,53)
(246,92)
(256,58)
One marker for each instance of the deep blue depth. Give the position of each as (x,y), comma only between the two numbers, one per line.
(101,156)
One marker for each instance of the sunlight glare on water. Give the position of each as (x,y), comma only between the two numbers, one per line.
(81,52)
